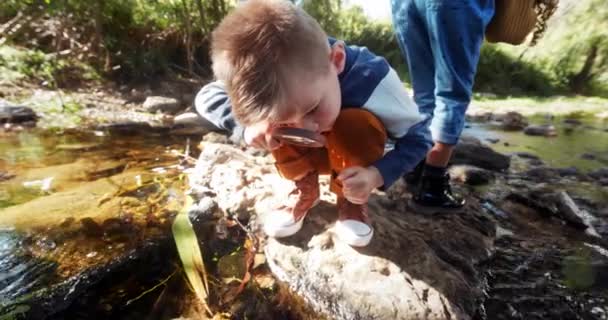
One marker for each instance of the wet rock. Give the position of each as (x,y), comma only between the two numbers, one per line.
(191,123)
(527,155)
(493,140)
(588,156)
(36,287)
(555,204)
(83,201)
(470,175)
(78,146)
(541,130)
(16,114)
(471,151)
(480,117)
(599,174)
(162,104)
(416,266)
(6,176)
(91,228)
(131,127)
(513,121)
(568,172)
(204,210)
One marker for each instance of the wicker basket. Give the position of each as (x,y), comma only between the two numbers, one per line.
(512,22)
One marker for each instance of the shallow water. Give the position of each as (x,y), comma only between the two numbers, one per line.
(49,249)
(564,150)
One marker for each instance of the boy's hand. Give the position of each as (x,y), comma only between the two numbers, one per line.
(258,136)
(358,183)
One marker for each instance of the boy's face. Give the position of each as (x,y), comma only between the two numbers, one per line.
(314,101)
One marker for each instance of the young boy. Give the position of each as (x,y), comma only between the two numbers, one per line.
(276,67)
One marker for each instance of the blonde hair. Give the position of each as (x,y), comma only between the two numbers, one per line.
(258,47)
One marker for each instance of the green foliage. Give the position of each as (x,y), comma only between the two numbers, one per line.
(574,51)
(351,25)
(502,73)
(37,65)
(140,39)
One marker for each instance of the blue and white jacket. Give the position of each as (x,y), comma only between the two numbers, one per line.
(367,81)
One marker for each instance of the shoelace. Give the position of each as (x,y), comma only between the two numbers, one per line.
(351,211)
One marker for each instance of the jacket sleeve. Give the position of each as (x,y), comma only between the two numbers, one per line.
(213,104)
(409,150)
(391,103)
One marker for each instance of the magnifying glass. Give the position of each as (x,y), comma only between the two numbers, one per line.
(299,137)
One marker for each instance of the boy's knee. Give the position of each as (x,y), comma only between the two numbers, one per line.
(361,125)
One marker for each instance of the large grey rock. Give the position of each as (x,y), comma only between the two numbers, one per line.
(471,151)
(416,267)
(162,104)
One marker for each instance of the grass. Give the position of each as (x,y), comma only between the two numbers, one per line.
(570,107)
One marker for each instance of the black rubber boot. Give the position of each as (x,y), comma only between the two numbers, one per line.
(434,194)
(412,179)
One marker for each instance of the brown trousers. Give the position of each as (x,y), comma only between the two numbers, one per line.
(356,139)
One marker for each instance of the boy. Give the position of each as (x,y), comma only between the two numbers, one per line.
(276,67)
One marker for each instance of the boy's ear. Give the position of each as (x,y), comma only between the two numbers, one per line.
(337,56)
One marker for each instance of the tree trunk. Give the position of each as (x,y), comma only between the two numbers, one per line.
(201,13)
(579,81)
(188,36)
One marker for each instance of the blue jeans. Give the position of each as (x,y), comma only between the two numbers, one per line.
(442,39)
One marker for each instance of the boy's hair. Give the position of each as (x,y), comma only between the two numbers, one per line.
(261,46)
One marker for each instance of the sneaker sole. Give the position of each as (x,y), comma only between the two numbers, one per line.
(433,210)
(291,230)
(354,240)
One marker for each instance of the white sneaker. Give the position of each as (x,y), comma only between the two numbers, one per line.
(288,219)
(353,226)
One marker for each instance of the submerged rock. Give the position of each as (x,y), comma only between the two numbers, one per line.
(416,267)
(541,130)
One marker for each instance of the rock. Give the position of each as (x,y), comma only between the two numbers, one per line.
(541,130)
(599,174)
(470,175)
(190,123)
(541,173)
(527,155)
(558,205)
(188,118)
(513,121)
(38,283)
(588,156)
(574,122)
(470,151)
(416,267)
(162,104)
(204,210)
(16,114)
(480,117)
(493,140)
(6,176)
(132,127)
(568,172)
